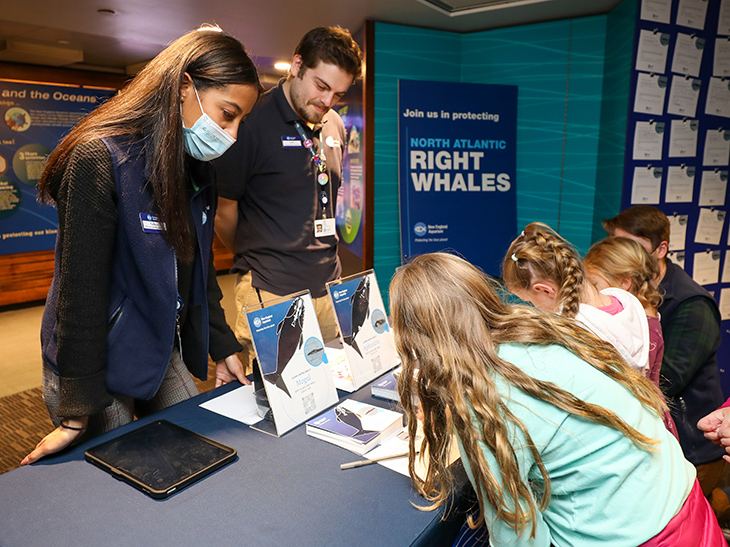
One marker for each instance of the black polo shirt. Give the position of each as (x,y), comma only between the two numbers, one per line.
(273,178)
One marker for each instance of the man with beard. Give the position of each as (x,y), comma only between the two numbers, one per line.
(278,183)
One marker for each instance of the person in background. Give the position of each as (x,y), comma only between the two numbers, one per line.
(278,185)
(690,321)
(134,306)
(561,439)
(543,268)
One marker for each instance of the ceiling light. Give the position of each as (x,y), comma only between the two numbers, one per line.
(282,66)
(452,8)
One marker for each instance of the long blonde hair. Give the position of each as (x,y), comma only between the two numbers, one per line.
(448,324)
(617,258)
(539,253)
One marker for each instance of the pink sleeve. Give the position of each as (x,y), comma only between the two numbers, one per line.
(726,404)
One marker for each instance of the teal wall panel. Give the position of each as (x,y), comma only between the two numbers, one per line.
(616,85)
(408,53)
(572,101)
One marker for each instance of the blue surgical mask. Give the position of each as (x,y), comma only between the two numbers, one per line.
(206,140)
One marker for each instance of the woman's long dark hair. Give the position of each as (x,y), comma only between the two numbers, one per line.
(148,107)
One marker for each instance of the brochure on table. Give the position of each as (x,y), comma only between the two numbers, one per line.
(356,426)
(297,381)
(364,329)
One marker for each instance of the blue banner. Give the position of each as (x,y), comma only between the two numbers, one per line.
(457,169)
(36,117)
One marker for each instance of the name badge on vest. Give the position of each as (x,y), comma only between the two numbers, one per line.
(151,224)
(288,141)
(324,227)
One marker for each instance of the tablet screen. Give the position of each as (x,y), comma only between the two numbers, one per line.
(160,458)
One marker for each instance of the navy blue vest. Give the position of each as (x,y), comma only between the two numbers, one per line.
(703,393)
(143,292)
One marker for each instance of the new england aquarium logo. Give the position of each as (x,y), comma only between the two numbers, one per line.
(256,322)
(420,229)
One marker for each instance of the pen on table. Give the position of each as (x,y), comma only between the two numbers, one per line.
(360,463)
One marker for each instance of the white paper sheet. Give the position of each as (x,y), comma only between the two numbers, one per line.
(717,148)
(726,268)
(692,13)
(683,95)
(706,267)
(646,185)
(677,258)
(677,232)
(680,184)
(688,54)
(723,22)
(683,138)
(718,98)
(725,304)
(721,59)
(239,405)
(651,90)
(713,188)
(709,226)
(648,140)
(651,55)
(658,11)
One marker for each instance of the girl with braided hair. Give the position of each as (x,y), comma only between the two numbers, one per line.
(562,440)
(543,268)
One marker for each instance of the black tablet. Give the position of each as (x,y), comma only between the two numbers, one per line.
(160,458)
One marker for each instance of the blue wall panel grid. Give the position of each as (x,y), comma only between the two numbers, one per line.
(673,31)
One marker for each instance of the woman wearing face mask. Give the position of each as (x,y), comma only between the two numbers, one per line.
(134,307)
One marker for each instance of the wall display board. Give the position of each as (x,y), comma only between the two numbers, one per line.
(292,363)
(678,138)
(350,211)
(457,155)
(35,118)
(366,336)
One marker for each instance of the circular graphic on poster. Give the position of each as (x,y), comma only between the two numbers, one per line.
(378,320)
(314,351)
(28,163)
(17,119)
(10,197)
(3,165)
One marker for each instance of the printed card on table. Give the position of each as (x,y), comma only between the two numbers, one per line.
(297,382)
(366,335)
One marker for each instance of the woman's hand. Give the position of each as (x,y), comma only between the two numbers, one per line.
(58,439)
(229,369)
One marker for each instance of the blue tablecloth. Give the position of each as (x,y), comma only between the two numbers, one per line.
(280,491)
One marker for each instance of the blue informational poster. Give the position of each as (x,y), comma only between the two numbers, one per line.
(36,117)
(457,169)
(364,331)
(297,380)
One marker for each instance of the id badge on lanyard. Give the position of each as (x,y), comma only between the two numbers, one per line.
(324,227)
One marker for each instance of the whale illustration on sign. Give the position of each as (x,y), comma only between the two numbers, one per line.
(289,331)
(350,418)
(360,306)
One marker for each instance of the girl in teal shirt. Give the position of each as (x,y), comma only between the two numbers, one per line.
(562,440)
